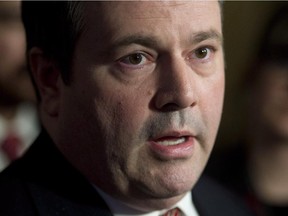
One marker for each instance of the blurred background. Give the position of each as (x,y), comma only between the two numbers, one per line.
(18,116)
(251,151)
(243,27)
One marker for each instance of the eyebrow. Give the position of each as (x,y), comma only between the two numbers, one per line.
(152,41)
(136,39)
(207,35)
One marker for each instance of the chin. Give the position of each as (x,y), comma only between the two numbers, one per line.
(169,189)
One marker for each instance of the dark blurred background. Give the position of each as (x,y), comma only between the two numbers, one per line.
(244,24)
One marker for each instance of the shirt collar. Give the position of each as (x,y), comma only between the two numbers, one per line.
(119,208)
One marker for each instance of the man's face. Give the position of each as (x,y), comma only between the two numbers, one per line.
(142,111)
(15,83)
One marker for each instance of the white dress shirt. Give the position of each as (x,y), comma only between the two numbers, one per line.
(119,208)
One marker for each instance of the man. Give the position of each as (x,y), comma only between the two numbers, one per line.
(130,98)
(18,119)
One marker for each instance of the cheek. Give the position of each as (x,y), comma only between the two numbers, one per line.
(212,95)
(127,107)
(127,115)
(121,115)
(212,101)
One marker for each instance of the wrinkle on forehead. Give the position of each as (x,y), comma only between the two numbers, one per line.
(147,9)
(157,10)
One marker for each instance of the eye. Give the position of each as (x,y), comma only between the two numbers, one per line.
(202,53)
(134,59)
(136,62)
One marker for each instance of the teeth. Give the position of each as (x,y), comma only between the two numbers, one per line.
(172,142)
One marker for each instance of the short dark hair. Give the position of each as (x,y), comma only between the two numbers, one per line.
(54,27)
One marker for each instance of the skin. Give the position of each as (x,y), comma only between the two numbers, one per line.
(120,107)
(15,84)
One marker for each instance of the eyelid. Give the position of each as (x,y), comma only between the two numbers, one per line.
(130,54)
(126,50)
(147,56)
(210,47)
(209,43)
(212,50)
(147,65)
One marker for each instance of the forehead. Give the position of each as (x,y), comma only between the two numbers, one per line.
(129,16)
(144,9)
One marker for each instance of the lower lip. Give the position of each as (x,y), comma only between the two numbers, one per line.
(182,150)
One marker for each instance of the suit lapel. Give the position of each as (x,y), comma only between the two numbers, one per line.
(211,199)
(49,203)
(55,186)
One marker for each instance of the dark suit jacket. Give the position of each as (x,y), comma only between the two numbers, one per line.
(43,183)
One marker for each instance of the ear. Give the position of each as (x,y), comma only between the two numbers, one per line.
(47,78)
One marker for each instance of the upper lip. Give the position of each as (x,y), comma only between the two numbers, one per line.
(173,134)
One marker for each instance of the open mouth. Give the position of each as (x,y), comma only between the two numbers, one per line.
(173,147)
(170,141)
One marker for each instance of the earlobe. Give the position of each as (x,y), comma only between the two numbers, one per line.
(47,77)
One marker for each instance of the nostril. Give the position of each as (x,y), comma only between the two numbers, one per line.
(170,107)
(166,102)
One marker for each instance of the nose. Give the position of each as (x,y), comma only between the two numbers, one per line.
(177,85)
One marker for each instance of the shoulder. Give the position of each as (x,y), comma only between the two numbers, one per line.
(43,182)
(15,198)
(211,198)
